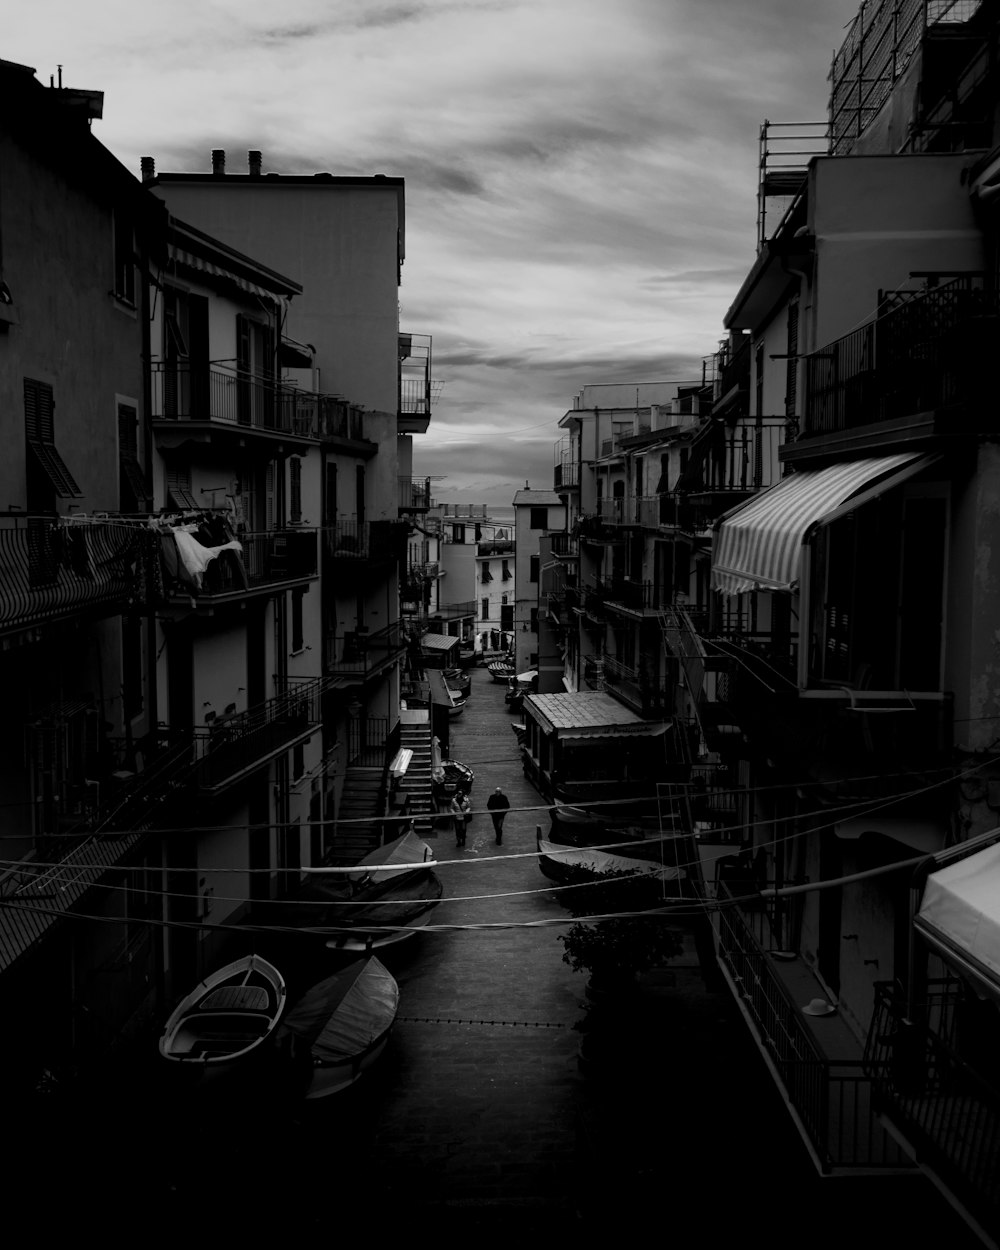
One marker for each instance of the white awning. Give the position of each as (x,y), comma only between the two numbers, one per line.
(759,545)
(960,915)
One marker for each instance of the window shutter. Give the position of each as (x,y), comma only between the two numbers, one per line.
(178,483)
(295,490)
(39,430)
(269,496)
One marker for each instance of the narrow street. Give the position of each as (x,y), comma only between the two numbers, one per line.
(479,1119)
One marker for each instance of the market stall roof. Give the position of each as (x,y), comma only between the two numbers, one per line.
(589,714)
(440,642)
(960,915)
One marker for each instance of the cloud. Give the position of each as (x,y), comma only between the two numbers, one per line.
(581,177)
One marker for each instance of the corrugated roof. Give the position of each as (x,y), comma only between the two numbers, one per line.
(439,642)
(590,713)
(540,498)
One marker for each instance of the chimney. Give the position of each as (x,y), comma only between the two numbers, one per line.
(219,162)
(148,167)
(253,160)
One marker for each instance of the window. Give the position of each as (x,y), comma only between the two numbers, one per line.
(458,533)
(46,471)
(177,479)
(124,258)
(330,502)
(505,570)
(486,610)
(533,568)
(539,518)
(487,575)
(298,760)
(298,641)
(295,491)
(503,600)
(133,494)
(534,621)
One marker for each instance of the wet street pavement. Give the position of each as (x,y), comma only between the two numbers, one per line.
(480,1121)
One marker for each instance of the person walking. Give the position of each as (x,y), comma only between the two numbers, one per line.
(458,811)
(498,805)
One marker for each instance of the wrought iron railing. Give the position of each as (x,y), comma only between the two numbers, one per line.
(234,398)
(636,596)
(651,694)
(832,1097)
(929,351)
(414,494)
(947,1108)
(50,569)
(415,386)
(742,458)
(564,544)
(360,652)
(265,559)
(337,419)
(233,746)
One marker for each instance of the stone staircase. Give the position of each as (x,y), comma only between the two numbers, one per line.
(416,783)
(361,800)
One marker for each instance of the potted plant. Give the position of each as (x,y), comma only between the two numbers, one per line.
(614,950)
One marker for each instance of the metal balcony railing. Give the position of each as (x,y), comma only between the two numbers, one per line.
(367,739)
(266,560)
(415,386)
(930,350)
(682,630)
(636,596)
(833,1098)
(564,545)
(742,458)
(233,747)
(357,541)
(358,652)
(50,569)
(944,1105)
(504,547)
(414,494)
(237,399)
(336,419)
(650,694)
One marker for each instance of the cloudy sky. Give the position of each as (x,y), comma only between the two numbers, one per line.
(580,174)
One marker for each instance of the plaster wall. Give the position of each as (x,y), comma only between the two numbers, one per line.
(58,260)
(878,218)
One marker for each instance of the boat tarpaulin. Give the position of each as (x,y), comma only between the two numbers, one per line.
(407,850)
(759,545)
(960,914)
(342,1015)
(605,861)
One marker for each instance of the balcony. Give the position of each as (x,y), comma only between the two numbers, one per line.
(234,747)
(414,494)
(940,1100)
(50,570)
(358,653)
(267,561)
(731,461)
(355,543)
(415,385)
(920,369)
(505,547)
(341,425)
(648,694)
(214,398)
(639,597)
(826,1083)
(564,546)
(594,528)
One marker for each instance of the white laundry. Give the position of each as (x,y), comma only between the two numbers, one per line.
(197,558)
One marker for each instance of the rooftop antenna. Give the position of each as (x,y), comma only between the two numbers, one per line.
(59,68)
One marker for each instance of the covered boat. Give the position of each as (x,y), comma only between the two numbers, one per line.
(341,1026)
(500,670)
(556,858)
(226,1018)
(380,903)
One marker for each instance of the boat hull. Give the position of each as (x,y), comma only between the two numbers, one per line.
(226,1019)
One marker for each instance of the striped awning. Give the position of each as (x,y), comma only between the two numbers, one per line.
(759,545)
(200,263)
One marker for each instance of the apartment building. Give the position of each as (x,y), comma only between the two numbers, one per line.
(77,240)
(845,670)
(342,340)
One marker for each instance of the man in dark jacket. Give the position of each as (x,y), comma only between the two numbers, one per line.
(498,804)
